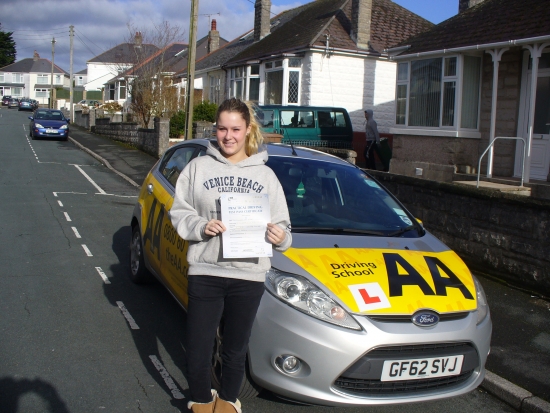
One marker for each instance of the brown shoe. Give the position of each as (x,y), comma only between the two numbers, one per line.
(203,407)
(227,407)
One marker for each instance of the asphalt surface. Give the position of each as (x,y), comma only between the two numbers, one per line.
(519,363)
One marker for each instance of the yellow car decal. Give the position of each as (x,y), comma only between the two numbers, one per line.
(380,281)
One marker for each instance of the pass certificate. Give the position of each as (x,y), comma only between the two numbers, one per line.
(245,217)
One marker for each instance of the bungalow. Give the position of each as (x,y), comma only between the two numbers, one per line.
(324,53)
(478,76)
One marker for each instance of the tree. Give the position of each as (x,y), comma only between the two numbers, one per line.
(149,80)
(7,48)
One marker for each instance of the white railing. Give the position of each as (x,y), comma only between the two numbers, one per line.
(491,145)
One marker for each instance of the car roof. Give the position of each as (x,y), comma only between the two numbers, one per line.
(292,107)
(282,150)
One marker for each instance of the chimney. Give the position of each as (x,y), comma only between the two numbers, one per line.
(262,19)
(138,39)
(35,56)
(361,15)
(464,5)
(213,38)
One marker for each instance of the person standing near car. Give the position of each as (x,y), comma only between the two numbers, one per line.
(224,287)
(373,140)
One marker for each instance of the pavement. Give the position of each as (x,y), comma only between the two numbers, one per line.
(518,368)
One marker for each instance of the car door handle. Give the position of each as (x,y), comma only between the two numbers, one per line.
(150,189)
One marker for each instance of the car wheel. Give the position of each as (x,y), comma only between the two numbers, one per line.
(249,389)
(139,274)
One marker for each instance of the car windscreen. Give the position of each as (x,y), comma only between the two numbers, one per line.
(323,197)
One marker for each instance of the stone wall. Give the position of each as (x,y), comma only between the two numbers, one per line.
(499,234)
(152,141)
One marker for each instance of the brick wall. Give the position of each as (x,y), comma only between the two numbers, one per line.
(502,235)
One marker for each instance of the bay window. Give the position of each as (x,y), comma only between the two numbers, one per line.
(427,92)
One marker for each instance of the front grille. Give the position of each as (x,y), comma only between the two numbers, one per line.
(408,318)
(363,377)
(379,388)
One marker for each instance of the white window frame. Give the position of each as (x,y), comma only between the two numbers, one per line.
(2,77)
(80,80)
(456,130)
(42,93)
(17,91)
(42,79)
(278,65)
(17,77)
(214,85)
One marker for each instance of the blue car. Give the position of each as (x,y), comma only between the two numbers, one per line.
(49,123)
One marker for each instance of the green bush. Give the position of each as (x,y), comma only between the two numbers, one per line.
(205,111)
(177,124)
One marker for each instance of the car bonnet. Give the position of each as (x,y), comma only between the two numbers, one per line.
(393,276)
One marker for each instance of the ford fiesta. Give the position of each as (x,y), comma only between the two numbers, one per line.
(366,307)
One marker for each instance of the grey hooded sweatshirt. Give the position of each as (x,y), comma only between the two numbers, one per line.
(196,202)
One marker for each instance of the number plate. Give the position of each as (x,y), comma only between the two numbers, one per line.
(51,130)
(415,369)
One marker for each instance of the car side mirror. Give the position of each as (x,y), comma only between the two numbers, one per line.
(31,118)
(68,121)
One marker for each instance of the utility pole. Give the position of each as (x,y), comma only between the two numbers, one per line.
(51,85)
(71,75)
(190,93)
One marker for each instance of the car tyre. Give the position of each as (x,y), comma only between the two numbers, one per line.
(249,389)
(139,274)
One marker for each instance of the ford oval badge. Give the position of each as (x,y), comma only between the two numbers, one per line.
(425,318)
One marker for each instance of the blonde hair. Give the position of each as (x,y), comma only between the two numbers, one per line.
(255,138)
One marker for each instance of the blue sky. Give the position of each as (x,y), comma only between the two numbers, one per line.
(102,24)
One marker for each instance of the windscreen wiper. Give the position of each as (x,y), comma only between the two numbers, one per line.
(401,231)
(338,231)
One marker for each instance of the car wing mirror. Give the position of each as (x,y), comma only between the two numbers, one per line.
(68,121)
(31,118)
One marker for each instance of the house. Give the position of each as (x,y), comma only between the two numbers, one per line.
(81,78)
(324,53)
(480,75)
(114,61)
(32,78)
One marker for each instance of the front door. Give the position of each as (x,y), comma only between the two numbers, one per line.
(540,146)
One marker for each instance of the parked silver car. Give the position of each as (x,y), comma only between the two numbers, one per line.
(366,307)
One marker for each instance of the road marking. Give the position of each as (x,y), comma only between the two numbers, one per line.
(76,232)
(60,203)
(121,196)
(103,275)
(87,251)
(167,378)
(101,191)
(127,315)
(76,193)
(67,216)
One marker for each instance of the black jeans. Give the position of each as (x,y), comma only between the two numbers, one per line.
(369,154)
(210,298)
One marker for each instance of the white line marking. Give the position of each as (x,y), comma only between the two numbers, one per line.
(87,251)
(76,193)
(60,203)
(101,191)
(67,216)
(76,232)
(127,315)
(167,378)
(103,275)
(120,196)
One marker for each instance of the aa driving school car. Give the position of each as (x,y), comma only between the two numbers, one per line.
(366,307)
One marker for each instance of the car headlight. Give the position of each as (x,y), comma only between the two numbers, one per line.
(482,307)
(63,127)
(38,125)
(304,296)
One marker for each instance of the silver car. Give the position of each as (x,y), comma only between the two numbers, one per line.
(366,307)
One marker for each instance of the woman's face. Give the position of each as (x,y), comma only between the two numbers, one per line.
(231,135)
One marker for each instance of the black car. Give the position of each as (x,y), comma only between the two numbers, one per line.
(5,100)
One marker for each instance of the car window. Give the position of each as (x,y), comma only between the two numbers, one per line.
(332,118)
(264,118)
(175,162)
(56,116)
(297,119)
(331,196)
(40,115)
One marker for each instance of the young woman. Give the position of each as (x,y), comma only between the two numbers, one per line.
(218,286)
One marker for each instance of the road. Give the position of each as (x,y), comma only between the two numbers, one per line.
(76,335)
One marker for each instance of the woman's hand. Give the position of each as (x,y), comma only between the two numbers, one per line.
(214,227)
(275,234)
